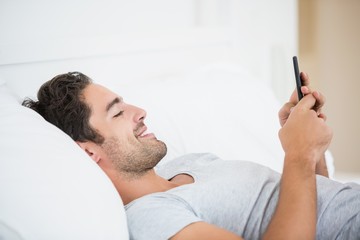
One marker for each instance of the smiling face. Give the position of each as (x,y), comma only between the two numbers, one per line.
(127,148)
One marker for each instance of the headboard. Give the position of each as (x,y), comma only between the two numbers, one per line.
(138,40)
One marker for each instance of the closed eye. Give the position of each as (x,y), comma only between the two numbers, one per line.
(118,114)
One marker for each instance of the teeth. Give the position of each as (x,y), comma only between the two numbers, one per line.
(144,133)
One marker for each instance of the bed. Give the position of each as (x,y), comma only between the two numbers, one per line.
(207,87)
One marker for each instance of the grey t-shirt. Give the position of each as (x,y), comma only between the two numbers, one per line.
(239,196)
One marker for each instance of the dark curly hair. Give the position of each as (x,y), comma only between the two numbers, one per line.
(61,102)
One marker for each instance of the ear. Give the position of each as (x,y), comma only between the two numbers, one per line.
(91,149)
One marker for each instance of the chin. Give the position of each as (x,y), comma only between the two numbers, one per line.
(162,150)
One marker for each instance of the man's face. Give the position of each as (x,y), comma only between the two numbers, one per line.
(128,146)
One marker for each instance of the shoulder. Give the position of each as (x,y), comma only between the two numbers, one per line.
(156,200)
(158,216)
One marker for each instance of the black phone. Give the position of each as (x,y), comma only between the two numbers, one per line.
(297,78)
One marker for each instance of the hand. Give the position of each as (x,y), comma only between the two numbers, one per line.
(320,100)
(304,134)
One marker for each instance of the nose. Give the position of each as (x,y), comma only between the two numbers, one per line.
(139,114)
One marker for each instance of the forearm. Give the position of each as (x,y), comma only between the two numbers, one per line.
(295,215)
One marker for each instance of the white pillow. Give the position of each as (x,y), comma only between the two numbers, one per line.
(50,189)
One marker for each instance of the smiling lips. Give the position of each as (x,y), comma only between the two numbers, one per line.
(143,133)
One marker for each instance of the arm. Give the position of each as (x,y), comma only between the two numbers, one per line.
(204,231)
(321,167)
(305,138)
(295,216)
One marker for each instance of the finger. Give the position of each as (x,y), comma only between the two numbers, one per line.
(320,101)
(308,102)
(286,109)
(305,80)
(294,97)
(305,90)
(285,112)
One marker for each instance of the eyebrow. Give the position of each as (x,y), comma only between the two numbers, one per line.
(112,103)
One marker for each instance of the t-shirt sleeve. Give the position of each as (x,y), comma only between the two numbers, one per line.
(158,217)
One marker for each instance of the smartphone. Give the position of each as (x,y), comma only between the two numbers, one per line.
(297,78)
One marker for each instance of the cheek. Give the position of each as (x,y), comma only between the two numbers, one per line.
(126,139)
(115,148)
(118,129)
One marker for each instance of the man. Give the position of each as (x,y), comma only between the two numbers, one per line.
(199,196)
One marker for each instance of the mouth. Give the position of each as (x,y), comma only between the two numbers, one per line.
(144,133)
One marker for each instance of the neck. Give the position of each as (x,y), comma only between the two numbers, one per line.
(131,189)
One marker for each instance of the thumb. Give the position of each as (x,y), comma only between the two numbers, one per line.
(308,102)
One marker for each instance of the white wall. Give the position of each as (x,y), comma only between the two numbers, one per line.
(39,38)
(330,52)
